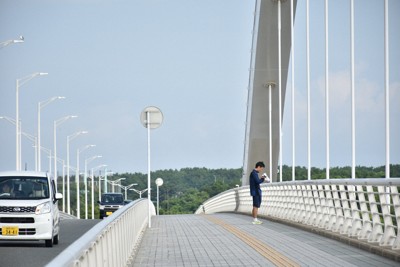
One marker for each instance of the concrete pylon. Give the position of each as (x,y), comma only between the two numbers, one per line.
(264,76)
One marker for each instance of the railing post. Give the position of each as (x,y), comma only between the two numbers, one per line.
(347,218)
(365,212)
(389,235)
(377,231)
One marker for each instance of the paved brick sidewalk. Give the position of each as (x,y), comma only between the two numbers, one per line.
(194,240)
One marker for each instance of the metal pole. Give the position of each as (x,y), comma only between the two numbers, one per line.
(105,182)
(17,162)
(63,186)
(327,90)
(55,158)
(387,100)
(270,129)
(293,93)
(86,200)
(68,188)
(92,175)
(280,88)
(308,91)
(148,166)
(353,112)
(158,208)
(99,187)
(39,145)
(78,204)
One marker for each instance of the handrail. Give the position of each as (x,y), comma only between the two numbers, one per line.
(110,242)
(366,209)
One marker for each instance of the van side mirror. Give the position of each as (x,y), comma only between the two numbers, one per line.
(59,196)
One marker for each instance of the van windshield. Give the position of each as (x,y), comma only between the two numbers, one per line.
(24,187)
(112,199)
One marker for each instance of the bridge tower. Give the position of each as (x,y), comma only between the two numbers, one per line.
(267,84)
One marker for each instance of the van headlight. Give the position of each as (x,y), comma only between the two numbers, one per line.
(43,208)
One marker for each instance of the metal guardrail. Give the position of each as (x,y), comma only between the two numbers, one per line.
(367,209)
(110,242)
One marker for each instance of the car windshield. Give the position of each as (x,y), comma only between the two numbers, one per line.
(115,199)
(24,187)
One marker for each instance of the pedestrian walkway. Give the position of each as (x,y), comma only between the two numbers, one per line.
(227,239)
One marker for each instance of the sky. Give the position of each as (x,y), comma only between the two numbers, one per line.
(191,59)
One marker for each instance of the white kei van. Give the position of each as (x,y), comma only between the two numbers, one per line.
(28,207)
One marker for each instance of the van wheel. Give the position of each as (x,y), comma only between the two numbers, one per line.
(49,242)
(56,238)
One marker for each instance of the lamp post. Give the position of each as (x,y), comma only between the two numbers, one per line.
(92,176)
(126,187)
(151,118)
(57,123)
(48,151)
(63,180)
(78,204)
(159,182)
(40,106)
(34,140)
(70,138)
(140,192)
(19,83)
(106,173)
(12,41)
(88,160)
(29,136)
(100,179)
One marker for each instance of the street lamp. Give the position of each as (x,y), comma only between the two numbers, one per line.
(85,182)
(70,138)
(40,106)
(78,204)
(115,182)
(159,182)
(57,123)
(92,176)
(140,192)
(126,187)
(151,118)
(19,83)
(12,41)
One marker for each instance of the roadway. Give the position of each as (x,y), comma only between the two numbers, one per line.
(34,253)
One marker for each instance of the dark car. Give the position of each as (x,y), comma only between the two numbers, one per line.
(109,203)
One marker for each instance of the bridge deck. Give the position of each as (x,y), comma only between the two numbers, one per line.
(232,240)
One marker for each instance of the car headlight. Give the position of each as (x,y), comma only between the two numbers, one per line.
(43,208)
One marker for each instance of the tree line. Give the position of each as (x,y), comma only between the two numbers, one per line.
(184,190)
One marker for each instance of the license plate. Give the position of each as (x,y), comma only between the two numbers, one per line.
(9,231)
(108,213)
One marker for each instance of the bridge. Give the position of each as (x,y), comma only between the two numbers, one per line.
(341,222)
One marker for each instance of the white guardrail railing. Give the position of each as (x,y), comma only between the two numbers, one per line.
(367,209)
(110,242)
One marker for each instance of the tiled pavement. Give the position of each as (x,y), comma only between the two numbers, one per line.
(220,240)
